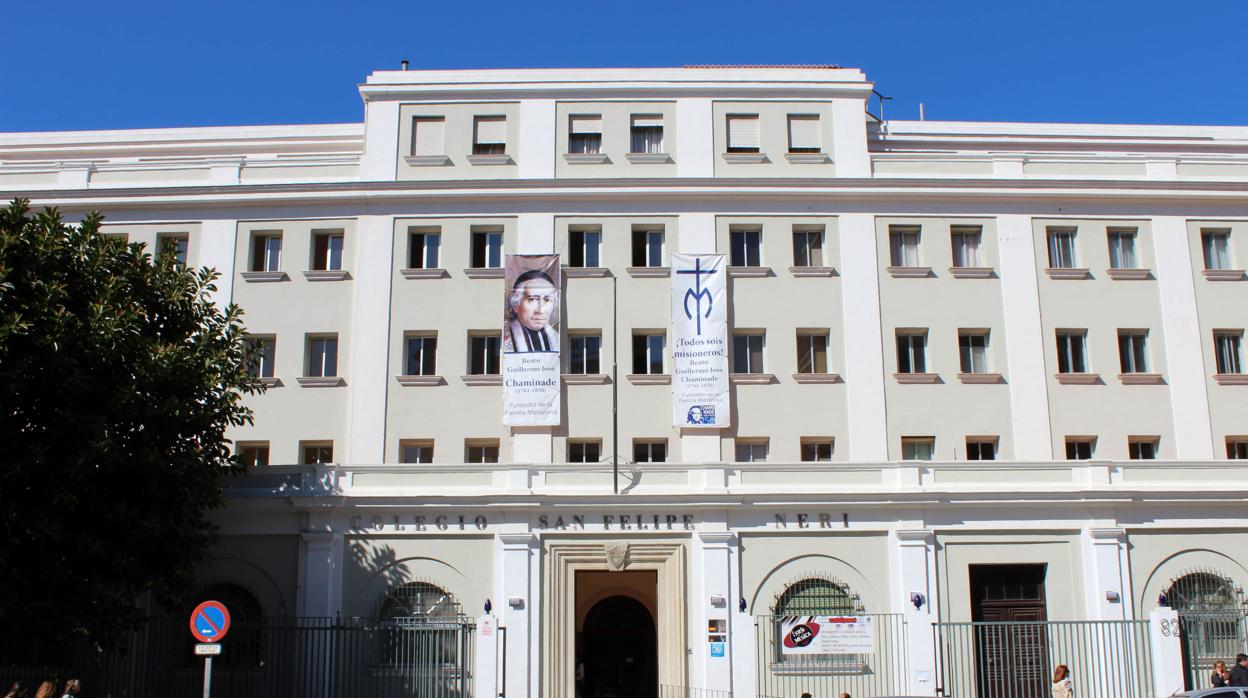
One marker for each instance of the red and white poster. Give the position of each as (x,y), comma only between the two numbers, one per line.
(827,635)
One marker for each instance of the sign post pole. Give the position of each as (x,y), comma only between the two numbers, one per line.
(207,675)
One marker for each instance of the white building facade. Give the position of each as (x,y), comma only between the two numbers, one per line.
(980,372)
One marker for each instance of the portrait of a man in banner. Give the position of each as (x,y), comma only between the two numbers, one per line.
(532,311)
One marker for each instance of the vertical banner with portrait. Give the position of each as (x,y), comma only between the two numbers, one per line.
(699,340)
(531,340)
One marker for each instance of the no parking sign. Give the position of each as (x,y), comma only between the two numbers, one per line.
(210,621)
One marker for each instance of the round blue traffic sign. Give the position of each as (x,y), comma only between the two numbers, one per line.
(210,621)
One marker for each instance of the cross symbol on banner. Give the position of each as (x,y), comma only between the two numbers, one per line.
(697,293)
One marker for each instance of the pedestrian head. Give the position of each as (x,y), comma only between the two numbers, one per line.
(1062,671)
(71,687)
(806,694)
(47,689)
(17,690)
(1241,658)
(1219,666)
(844,695)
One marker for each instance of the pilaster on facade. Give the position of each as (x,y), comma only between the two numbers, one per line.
(914,593)
(536,150)
(1108,588)
(380,161)
(370,340)
(515,609)
(215,248)
(695,142)
(864,348)
(1024,339)
(849,138)
(320,588)
(713,606)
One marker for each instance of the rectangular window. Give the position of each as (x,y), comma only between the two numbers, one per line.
(747,353)
(812,352)
(1226,349)
(966,242)
(487,248)
(903,246)
(647,247)
(1133,351)
(816,449)
(804,133)
(254,453)
(585,247)
(1142,447)
(917,447)
(174,244)
(422,353)
(911,352)
(316,452)
(322,357)
(586,355)
(1122,249)
(262,361)
(808,247)
(1071,351)
(476,451)
(1079,447)
(1217,248)
(751,451)
(746,247)
(743,133)
(484,355)
(584,451)
(423,245)
(489,135)
(585,133)
(1062,248)
(1237,448)
(981,449)
(650,451)
(648,354)
(266,251)
(416,451)
(327,250)
(646,134)
(428,135)
(973,351)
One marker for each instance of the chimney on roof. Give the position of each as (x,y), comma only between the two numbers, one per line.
(404,64)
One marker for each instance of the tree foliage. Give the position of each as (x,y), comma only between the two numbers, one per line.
(120,379)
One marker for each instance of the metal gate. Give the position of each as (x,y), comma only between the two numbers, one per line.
(1209,636)
(882,672)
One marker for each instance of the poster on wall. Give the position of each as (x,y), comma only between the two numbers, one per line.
(531,340)
(699,340)
(827,635)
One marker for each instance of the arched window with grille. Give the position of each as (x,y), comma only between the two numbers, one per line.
(1213,619)
(805,601)
(815,596)
(418,602)
(425,639)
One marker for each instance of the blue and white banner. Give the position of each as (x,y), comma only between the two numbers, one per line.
(531,340)
(699,340)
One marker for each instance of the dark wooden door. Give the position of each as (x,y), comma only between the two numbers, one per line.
(1011,643)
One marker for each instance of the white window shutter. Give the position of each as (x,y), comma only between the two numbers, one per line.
(491,129)
(743,131)
(585,123)
(803,131)
(647,121)
(428,138)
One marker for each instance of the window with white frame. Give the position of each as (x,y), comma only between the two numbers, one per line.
(911,351)
(903,246)
(489,135)
(804,133)
(650,450)
(1217,248)
(423,247)
(743,133)
(322,356)
(647,247)
(585,247)
(316,452)
(327,250)
(1133,351)
(481,450)
(973,351)
(1142,447)
(263,357)
(1227,351)
(747,352)
(917,447)
(751,450)
(1080,447)
(416,451)
(585,133)
(266,250)
(1237,448)
(584,450)
(1122,248)
(428,136)
(807,247)
(1062,248)
(980,448)
(648,353)
(646,134)
(483,354)
(812,352)
(816,449)
(1072,354)
(966,241)
(421,355)
(487,248)
(174,245)
(253,453)
(745,247)
(585,354)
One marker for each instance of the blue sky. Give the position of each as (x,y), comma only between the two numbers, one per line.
(141,64)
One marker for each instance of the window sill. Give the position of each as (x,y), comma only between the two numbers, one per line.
(752,378)
(484,273)
(910,272)
(586,378)
(1067,274)
(980,378)
(420,381)
(1223,274)
(648,158)
(1231,378)
(972,272)
(917,378)
(326,275)
(586,158)
(264,276)
(811,272)
(1130,274)
(807,158)
(745,158)
(321,381)
(270,382)
(503,159)
(649,272)
(750,272)
(1078,378)
(424,273)
(1140,379)
(650,378)
(427,160)
(585,272)
(483,379)
(817,378)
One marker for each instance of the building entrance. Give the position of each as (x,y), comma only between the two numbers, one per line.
(1012,654)
(616,634)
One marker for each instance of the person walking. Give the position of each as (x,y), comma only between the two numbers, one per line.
(72,687)
(47,689)
(1239,674)
(1220,677)
(1062,688)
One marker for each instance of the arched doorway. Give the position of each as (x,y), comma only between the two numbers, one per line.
(1213,621)
(618,650)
